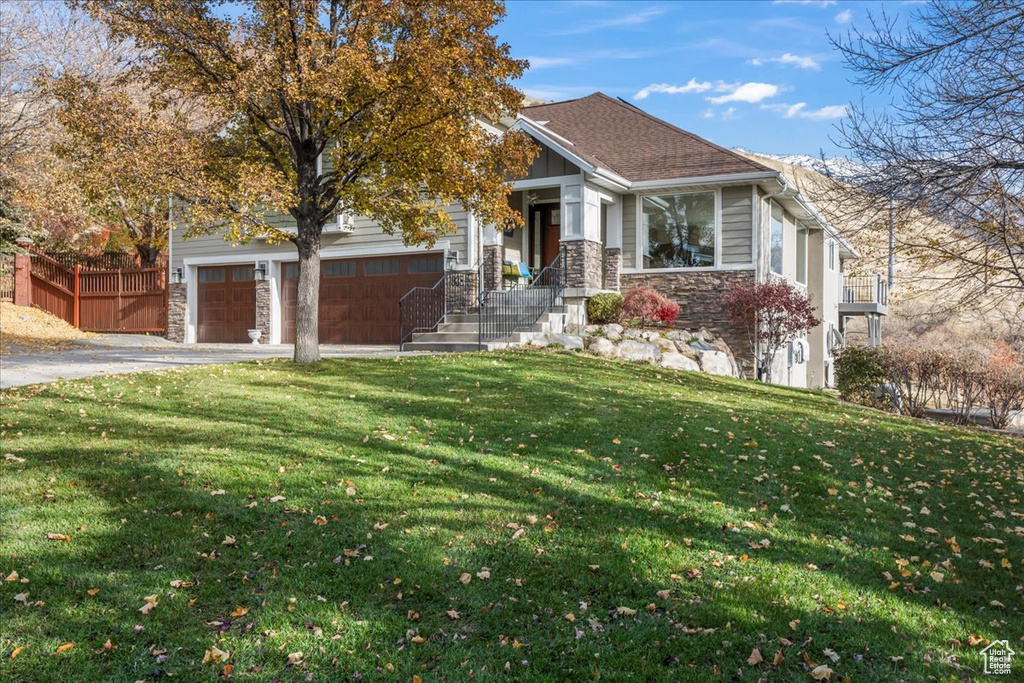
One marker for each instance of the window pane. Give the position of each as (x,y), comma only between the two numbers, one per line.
(243,273)
(776,239)
(339,269)
(426,264)
(211,275)
(680,230)
(383,266)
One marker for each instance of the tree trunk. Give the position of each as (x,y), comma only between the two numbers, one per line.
(148,254)
(307,308)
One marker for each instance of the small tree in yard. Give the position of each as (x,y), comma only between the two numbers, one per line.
(388,94)
(773,314)
(645,305)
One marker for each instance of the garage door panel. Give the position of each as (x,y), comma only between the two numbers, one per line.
(359,297)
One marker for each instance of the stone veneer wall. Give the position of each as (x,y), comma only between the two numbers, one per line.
(493,258)
(177,309)
(583,264)
(263,309)
(700,295)
(612,266)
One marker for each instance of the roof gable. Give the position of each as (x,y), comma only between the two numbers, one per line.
(633,144)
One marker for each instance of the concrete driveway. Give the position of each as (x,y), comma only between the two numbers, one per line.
(109,354)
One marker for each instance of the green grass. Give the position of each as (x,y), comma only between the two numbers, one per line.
(627,481)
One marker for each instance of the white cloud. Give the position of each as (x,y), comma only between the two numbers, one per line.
(789,59)
(844,17)
(800,111)
(537,63)
(747,92)
(633,19)
(691,86)
(729,114)
(708,114)
(817,3)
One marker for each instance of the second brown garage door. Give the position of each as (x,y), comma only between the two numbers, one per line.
(359,297)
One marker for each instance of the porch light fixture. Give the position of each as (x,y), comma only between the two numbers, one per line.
(178,276)
(260,272)
(451,259)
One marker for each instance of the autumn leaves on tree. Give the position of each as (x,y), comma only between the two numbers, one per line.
(393,93)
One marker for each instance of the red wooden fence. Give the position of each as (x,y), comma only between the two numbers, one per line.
(101,300)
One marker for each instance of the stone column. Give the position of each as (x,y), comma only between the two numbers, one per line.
(612,265)
(263,309)
(493,256)
(177,311)
(583,264)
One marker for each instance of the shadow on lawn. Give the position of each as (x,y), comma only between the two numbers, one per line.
(580,492)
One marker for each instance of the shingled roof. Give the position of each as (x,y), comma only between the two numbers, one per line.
(621,138)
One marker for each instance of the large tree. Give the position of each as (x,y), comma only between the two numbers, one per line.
(947,156)
(393,92)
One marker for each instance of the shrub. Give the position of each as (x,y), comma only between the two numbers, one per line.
(859,373)
(772,313)
(604,308)
(645,306)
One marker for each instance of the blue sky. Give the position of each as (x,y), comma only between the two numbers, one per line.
(758,75)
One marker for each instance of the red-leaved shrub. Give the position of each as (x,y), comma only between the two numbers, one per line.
(645,306)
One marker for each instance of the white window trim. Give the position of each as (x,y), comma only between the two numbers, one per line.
(641,235)
(771,217)
(807,234)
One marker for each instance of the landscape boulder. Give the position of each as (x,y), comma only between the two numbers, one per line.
(715,363)
(634,350)
(677,361)
(604,348)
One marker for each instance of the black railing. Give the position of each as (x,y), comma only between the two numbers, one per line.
(504,312)
(422,309)
(865,289)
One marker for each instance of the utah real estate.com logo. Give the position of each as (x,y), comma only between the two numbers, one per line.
(997,657)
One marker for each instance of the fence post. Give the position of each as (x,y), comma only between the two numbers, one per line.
(76,315)
(22,280)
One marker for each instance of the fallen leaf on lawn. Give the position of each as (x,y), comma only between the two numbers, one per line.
(218,492)
(320,520)
(996,603)
(13,576)
(58,537)
(465,578)
(821,673)
(794,623)
(65,647)
(17,651)
(626,611)
(216,655)
(147,608)
(93,591)
(109,645)
(228,540)
(240,611)
(570,617)
(350,491)
(778,658)
(755,657)
(21,597)
(483,574)
(831,654)
(295,658)
(937,577)
(416,679)
(519,533)
(418,639)
(276,499)
(452,614)
(663,594)
(974,640)
(228,668)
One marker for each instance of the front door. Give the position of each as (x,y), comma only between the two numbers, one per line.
(550,233)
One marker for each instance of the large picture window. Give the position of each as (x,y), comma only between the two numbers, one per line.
(680,230)
(776,239)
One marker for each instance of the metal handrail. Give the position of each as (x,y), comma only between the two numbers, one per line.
(422,309)
(502,313)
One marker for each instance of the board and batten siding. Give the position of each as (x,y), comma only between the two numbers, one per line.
(366,237)
(737,226)
(550,164)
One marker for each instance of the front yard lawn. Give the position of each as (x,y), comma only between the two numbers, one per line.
(517,516)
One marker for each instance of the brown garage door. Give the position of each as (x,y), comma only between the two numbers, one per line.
(359,297)
(227,304)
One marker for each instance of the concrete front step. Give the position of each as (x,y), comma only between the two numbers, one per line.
(461,333)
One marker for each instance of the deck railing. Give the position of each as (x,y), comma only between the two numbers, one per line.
(865,289)
(502,313)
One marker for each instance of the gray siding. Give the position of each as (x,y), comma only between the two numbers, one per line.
(551,165)
(629,231)
(367,236)
(737,231)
